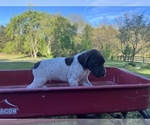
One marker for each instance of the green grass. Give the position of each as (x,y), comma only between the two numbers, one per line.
(120,64)
(9,62)
(15,65)
(143,72)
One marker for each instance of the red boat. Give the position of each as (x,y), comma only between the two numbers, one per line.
(119,91)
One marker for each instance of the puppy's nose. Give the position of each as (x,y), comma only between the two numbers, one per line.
(103,74)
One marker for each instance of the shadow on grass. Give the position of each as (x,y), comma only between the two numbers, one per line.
(4,60)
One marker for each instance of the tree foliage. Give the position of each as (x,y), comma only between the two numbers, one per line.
(64,33)
(39,33)
(105,40)
(33,32)
(3,37)
(134,33)
(25,32)
(85,39)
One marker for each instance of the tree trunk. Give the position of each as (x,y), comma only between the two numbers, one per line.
(34,48)
(48,47)
(133,55)
(34,54)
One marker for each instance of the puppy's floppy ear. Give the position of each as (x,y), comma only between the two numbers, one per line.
(83,59)
(85,56)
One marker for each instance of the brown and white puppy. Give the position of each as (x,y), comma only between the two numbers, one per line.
(74,70)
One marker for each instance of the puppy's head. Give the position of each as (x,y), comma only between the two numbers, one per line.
(94,61)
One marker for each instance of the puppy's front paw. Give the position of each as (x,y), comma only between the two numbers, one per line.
(30,87)
(87,84)
(44,86)
(33,86)
(73,83)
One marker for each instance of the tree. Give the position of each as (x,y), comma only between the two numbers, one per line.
(83,37)
(86,38)
(134,33)
(64,34)
(104,39)
(48,25)
(24,31)
(3,38)
(78,21)
(34,32)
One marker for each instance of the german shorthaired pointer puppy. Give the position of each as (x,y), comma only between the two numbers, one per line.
(74,70)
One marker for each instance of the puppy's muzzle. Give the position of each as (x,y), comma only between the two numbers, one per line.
(103,73)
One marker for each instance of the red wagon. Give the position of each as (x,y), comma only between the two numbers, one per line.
(118,91)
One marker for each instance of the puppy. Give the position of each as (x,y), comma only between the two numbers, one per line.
(74,70)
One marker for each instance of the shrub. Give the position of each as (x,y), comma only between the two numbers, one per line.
(132,64)
(146,65)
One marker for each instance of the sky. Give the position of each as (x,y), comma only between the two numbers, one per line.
(93,11)
(75,2)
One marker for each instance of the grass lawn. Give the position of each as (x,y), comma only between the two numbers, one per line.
(8,62)
(22,62)
(15,65)
(141,71)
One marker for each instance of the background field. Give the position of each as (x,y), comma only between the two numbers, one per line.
(8,62)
